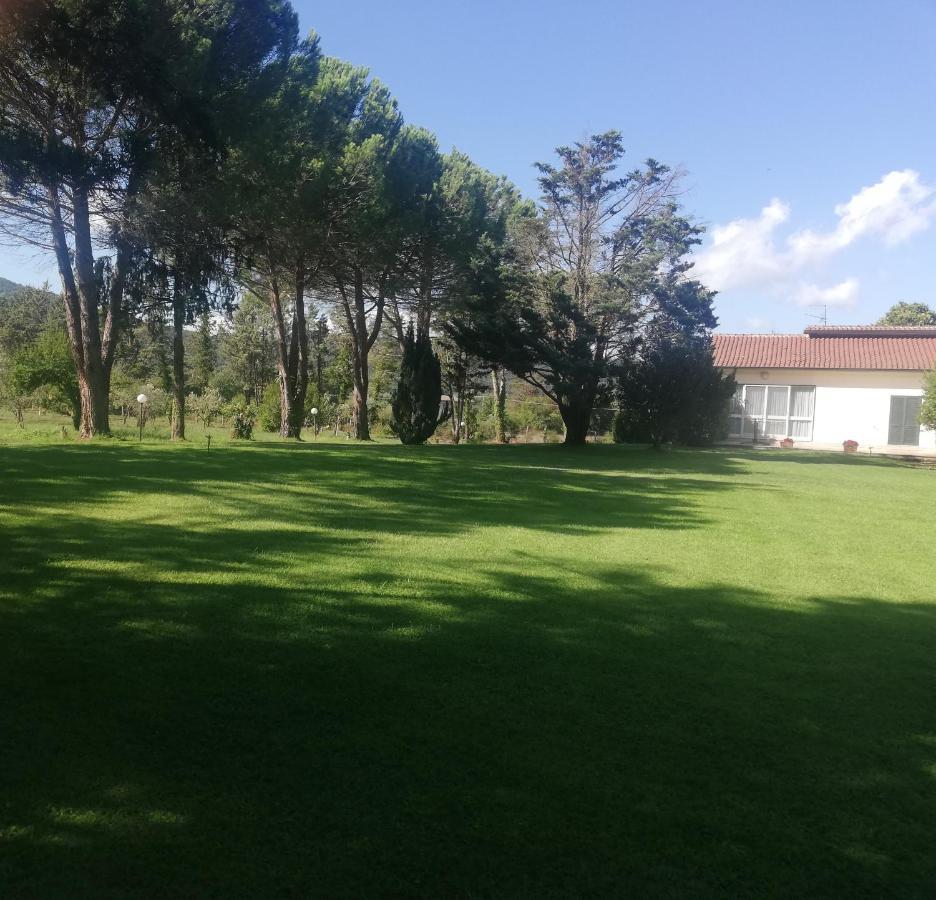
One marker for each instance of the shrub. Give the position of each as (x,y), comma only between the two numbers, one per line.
(206,406)
(44,369)
(672,392)
(243,418)
(269,413)
(928,411)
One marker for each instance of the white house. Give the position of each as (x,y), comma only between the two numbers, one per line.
(831,384)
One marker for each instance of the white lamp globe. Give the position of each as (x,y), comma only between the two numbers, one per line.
(314,411)
(141,398)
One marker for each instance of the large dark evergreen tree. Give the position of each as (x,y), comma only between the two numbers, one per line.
(670,391)
(418,395)
(562,307)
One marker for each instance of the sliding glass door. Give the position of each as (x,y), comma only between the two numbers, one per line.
(773,411)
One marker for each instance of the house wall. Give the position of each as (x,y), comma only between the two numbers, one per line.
(849,404)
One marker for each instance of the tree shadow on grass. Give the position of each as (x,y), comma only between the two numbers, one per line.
(519,738)
(202,708)
(429,490)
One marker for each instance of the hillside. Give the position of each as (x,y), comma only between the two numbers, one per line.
(8,287)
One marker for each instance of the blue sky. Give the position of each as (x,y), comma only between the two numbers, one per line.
(807,129)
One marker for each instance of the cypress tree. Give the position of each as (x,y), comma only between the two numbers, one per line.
(419,391)
(205,354)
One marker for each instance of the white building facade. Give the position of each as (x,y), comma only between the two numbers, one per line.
(831,385)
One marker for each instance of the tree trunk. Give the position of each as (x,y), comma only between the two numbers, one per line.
(424,308)
(499,386)
(576,416)
(361,424)
(362,339)
(94,390)
(293,356)
(299,361)
(319,381)
(178,363)
(92,353)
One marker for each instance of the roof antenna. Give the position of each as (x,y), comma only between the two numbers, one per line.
(824,318)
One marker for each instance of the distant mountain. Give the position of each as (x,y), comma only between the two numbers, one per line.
(9,287)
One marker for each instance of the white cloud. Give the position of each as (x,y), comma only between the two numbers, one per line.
(742,253)
(845,293)
(895,208)
(745,252)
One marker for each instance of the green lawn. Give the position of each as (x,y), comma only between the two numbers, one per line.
(331,670)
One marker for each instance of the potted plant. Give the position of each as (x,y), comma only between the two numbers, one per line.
(787,443)
(850,446)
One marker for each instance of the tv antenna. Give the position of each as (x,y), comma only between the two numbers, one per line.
(824,318)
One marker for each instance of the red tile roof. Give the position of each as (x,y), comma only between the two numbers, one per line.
(831,347)
(871,331)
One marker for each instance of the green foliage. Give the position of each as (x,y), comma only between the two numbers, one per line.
(248,349)
(338,375)
(327,410)
(928,410)
(45,368)
(206,406)
(205,361)
(672,391)
(269,412)
(537,414)
(124,390)
(24,313)
(158,403)
(904,313)
(243,418)
(562,305)
(418,394)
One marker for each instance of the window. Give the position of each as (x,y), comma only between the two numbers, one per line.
(773,410)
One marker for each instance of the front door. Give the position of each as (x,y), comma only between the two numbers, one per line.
(904,421)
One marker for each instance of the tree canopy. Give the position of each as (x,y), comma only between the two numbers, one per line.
(180,160)
(904,313)
(603,257)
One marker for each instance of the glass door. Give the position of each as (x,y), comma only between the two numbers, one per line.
(755,396)
(778,405)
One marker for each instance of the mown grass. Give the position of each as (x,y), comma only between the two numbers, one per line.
(336,670)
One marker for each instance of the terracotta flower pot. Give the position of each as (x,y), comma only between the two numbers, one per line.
(850,446)
(786,443)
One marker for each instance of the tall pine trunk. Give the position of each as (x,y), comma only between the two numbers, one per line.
(499,387)
(362,339)
(91,353)
(361,423)
(299,361)
(94,391)
(292,360)
(178,363)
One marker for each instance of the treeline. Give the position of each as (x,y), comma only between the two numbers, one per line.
(231,209)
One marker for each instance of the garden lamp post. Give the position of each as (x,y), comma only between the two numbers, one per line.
(314,412)
(141,399)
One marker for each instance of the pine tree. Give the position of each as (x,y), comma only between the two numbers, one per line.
(419,391)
